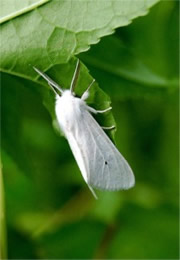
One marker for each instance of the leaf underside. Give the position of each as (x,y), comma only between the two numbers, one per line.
(46,35)
(54,32)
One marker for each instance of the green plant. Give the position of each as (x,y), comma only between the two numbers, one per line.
(49,210)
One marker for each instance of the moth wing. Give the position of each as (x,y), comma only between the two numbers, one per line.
(101,164)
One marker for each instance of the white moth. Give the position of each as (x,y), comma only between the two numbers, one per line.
(101,164)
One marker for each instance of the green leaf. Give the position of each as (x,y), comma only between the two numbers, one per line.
(20,246)
(156,239)
(122,62)
(82,237)
(55,31)
(11,9)
(34,39)
(127,65)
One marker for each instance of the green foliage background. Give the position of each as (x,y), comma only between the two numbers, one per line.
(49,210)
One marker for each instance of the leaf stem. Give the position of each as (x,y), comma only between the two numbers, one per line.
(22,11)
(3,235)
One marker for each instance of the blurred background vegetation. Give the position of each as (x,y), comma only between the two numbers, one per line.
(50,212)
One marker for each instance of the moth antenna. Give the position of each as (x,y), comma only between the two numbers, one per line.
(75,76)
(51,82)
(53,88)
(85,94)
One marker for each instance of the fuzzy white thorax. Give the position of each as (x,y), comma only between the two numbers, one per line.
(69,110)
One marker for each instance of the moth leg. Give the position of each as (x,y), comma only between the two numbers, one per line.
(93,110)
(104,111)
(108,127)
